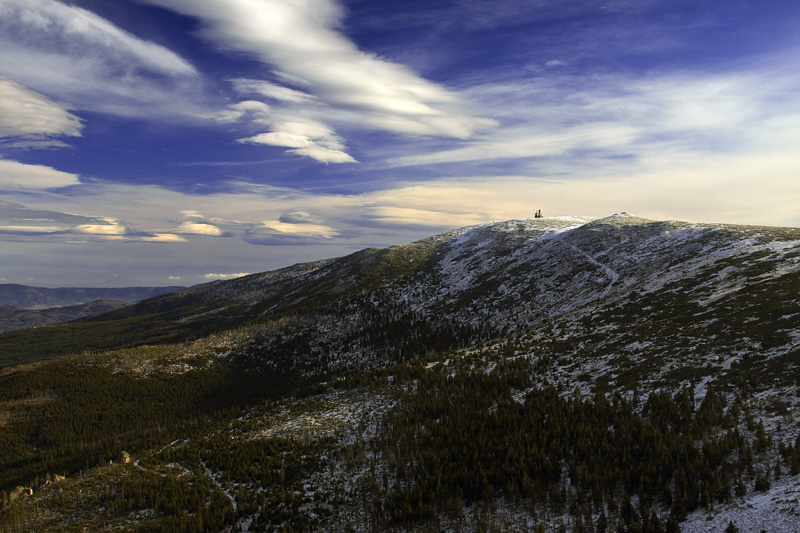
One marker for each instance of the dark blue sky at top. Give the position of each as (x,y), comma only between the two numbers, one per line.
(447,42)
(470,111)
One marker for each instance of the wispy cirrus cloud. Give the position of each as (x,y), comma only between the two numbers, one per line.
(64,28)
(318,65)
(566,120)
(271,91)
(74,55)
(304,136)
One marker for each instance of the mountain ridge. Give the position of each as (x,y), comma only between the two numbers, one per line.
(30,297)
(12,318)
(462,272)
(332,394)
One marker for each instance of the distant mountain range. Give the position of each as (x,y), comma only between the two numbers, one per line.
(26,297)
(22,306)
(556,373)
(12,318)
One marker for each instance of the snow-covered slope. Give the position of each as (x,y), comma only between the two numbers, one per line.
(623,285)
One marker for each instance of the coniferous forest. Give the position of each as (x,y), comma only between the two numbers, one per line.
(464,433)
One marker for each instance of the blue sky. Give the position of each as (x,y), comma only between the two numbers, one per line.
(160,142)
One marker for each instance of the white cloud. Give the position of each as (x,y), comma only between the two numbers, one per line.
(198,228)
(66,28)
(32,229)
(298,227)
(301,226)
(162,237)
(21,176)
(26,113)
(271,90)
(257,112)
(319,65)
(528,141)
(16,219)
(74,55)
(295,125)
(296,230)
(306,137)
(323,155)
(444,217)
(111,227)
(300,217)
(570,123)
(280,138)
(225,276)
(709,192)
